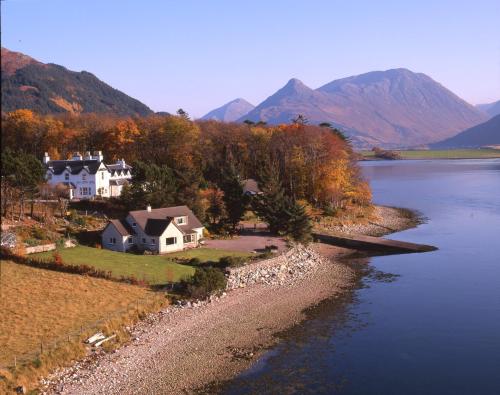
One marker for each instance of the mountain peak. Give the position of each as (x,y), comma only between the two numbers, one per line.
(231,111)
(12,61)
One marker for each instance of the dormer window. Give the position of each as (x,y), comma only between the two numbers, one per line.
(66,176)
(84,177)
(102,175)
(134,224)
(181,220)
(49,176)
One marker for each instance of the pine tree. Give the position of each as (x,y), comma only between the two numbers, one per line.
(235,200)
(299,225)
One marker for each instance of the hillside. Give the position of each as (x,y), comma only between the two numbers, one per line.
(231,111)
(50,88)
(487,133)
(491,109)
(388,108)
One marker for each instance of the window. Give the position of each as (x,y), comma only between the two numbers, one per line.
(153,241)
(189,238)
(131,240)
(112,240)
(66,176)
(143,241)
(102,175)
(84,177)
(49,176)
(134,224)
(171,240)
(181,220)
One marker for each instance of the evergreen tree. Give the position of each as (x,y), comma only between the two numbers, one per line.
(235,200)
(299,225)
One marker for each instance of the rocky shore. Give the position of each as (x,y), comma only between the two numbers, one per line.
(182,348)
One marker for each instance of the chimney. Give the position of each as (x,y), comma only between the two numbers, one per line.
(87,156)
(77,156)
(46,158)
(148,208)
(98,156)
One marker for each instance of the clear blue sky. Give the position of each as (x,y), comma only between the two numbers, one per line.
(200,54)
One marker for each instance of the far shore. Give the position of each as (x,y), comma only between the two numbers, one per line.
(472,153)
(182,350)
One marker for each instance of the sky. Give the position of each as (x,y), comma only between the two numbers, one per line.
(198,55)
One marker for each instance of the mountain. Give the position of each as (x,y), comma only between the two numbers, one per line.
(487,133)
(491,109)
(50,88)
(231,111)
(388,108)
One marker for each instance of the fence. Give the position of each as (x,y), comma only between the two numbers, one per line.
(110,322)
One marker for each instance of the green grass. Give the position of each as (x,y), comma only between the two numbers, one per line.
(443,154)
(152,268)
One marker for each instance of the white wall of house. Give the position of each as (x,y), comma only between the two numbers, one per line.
(111,239)
(171,232)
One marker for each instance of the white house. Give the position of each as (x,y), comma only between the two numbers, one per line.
(159,230)
(87,176)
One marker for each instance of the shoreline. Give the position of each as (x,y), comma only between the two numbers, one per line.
(190,350)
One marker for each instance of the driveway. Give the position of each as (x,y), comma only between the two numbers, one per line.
(248,243)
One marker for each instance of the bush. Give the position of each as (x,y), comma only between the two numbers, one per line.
(194,262)
(231,261)
(204,282)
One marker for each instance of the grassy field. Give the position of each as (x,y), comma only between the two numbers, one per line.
(153,268)
(41,306)
(443,154)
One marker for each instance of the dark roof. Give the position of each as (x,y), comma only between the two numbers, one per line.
(156,227)
(119,166)
(75,166)
(122,227)
(142,217)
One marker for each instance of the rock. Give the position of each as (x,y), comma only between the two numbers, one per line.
(20,390)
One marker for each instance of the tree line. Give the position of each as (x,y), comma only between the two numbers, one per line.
(202,163)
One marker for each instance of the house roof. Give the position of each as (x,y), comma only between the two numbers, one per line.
(122,227)
(75,166)
(156,227)
(251,186)
(119,166)
(142,217)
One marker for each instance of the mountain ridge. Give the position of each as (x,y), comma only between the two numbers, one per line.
(395,107)
(484,134)
(50,88)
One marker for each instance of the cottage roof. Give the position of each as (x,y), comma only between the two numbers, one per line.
(142,217)
(118,166)
(122,227)
(74,166)
(251,186)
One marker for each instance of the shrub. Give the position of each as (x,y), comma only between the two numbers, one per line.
(231,261)
(204,282)
(194,262)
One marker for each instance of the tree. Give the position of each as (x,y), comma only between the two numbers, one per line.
(299,224)
(182,113)
(23,172)
(151,184)
(300,120)
(235,200)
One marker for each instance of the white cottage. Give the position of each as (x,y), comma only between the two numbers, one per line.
(160,230)
(87,176)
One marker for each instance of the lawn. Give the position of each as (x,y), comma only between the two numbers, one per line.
(156,269)
(41,306)
(443,154)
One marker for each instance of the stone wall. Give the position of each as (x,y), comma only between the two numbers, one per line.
(285,268)
(48,247)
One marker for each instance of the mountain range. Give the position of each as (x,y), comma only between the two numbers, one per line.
(231,111)
(50,88)
(392,108)
(491,109)
(485,134)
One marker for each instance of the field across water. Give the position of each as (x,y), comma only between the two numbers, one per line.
(483,153)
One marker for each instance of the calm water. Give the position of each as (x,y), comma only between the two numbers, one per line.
(433,329)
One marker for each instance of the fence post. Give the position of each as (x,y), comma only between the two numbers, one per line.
(41,347)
